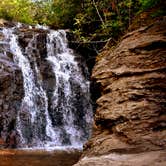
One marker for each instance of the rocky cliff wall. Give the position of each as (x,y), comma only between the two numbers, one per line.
(130,121)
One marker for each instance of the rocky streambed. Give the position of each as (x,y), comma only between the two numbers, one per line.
(38,157)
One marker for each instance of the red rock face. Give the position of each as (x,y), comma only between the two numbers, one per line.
(131,113)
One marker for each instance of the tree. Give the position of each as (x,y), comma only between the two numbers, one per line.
(17,10)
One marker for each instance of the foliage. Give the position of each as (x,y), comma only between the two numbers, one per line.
(100,20)
(112,18)
(16,10)
(89,19)
(59,13)
(64,12)
(145,4)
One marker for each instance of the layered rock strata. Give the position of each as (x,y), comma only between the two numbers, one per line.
(130,121)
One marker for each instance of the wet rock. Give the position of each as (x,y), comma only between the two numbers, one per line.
(131,113)
(2,143)
(11,140)
(35,123)
(11,91)
(11,79)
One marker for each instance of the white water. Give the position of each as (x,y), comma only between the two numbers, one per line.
(66,71)
(31,89)
(36,123)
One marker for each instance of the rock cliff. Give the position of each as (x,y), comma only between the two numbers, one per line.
(130,120)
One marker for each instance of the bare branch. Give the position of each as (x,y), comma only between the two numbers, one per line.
(101,19)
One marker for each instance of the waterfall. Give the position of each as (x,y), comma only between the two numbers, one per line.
(72,85)
(63,116)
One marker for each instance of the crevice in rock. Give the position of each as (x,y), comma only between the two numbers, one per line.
(109,123)
(138,73)
(149,46)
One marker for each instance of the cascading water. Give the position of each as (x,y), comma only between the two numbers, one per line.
(71,87)
(63,118)
(36,126)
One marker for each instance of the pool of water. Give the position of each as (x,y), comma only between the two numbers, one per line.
(39,157)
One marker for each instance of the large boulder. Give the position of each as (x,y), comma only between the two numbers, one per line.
(130,121)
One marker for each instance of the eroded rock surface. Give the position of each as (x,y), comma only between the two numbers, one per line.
(131,113)
(156,158)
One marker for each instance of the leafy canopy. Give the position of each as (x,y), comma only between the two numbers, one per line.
(89,19)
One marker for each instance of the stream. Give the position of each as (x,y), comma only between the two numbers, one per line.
(10,157)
